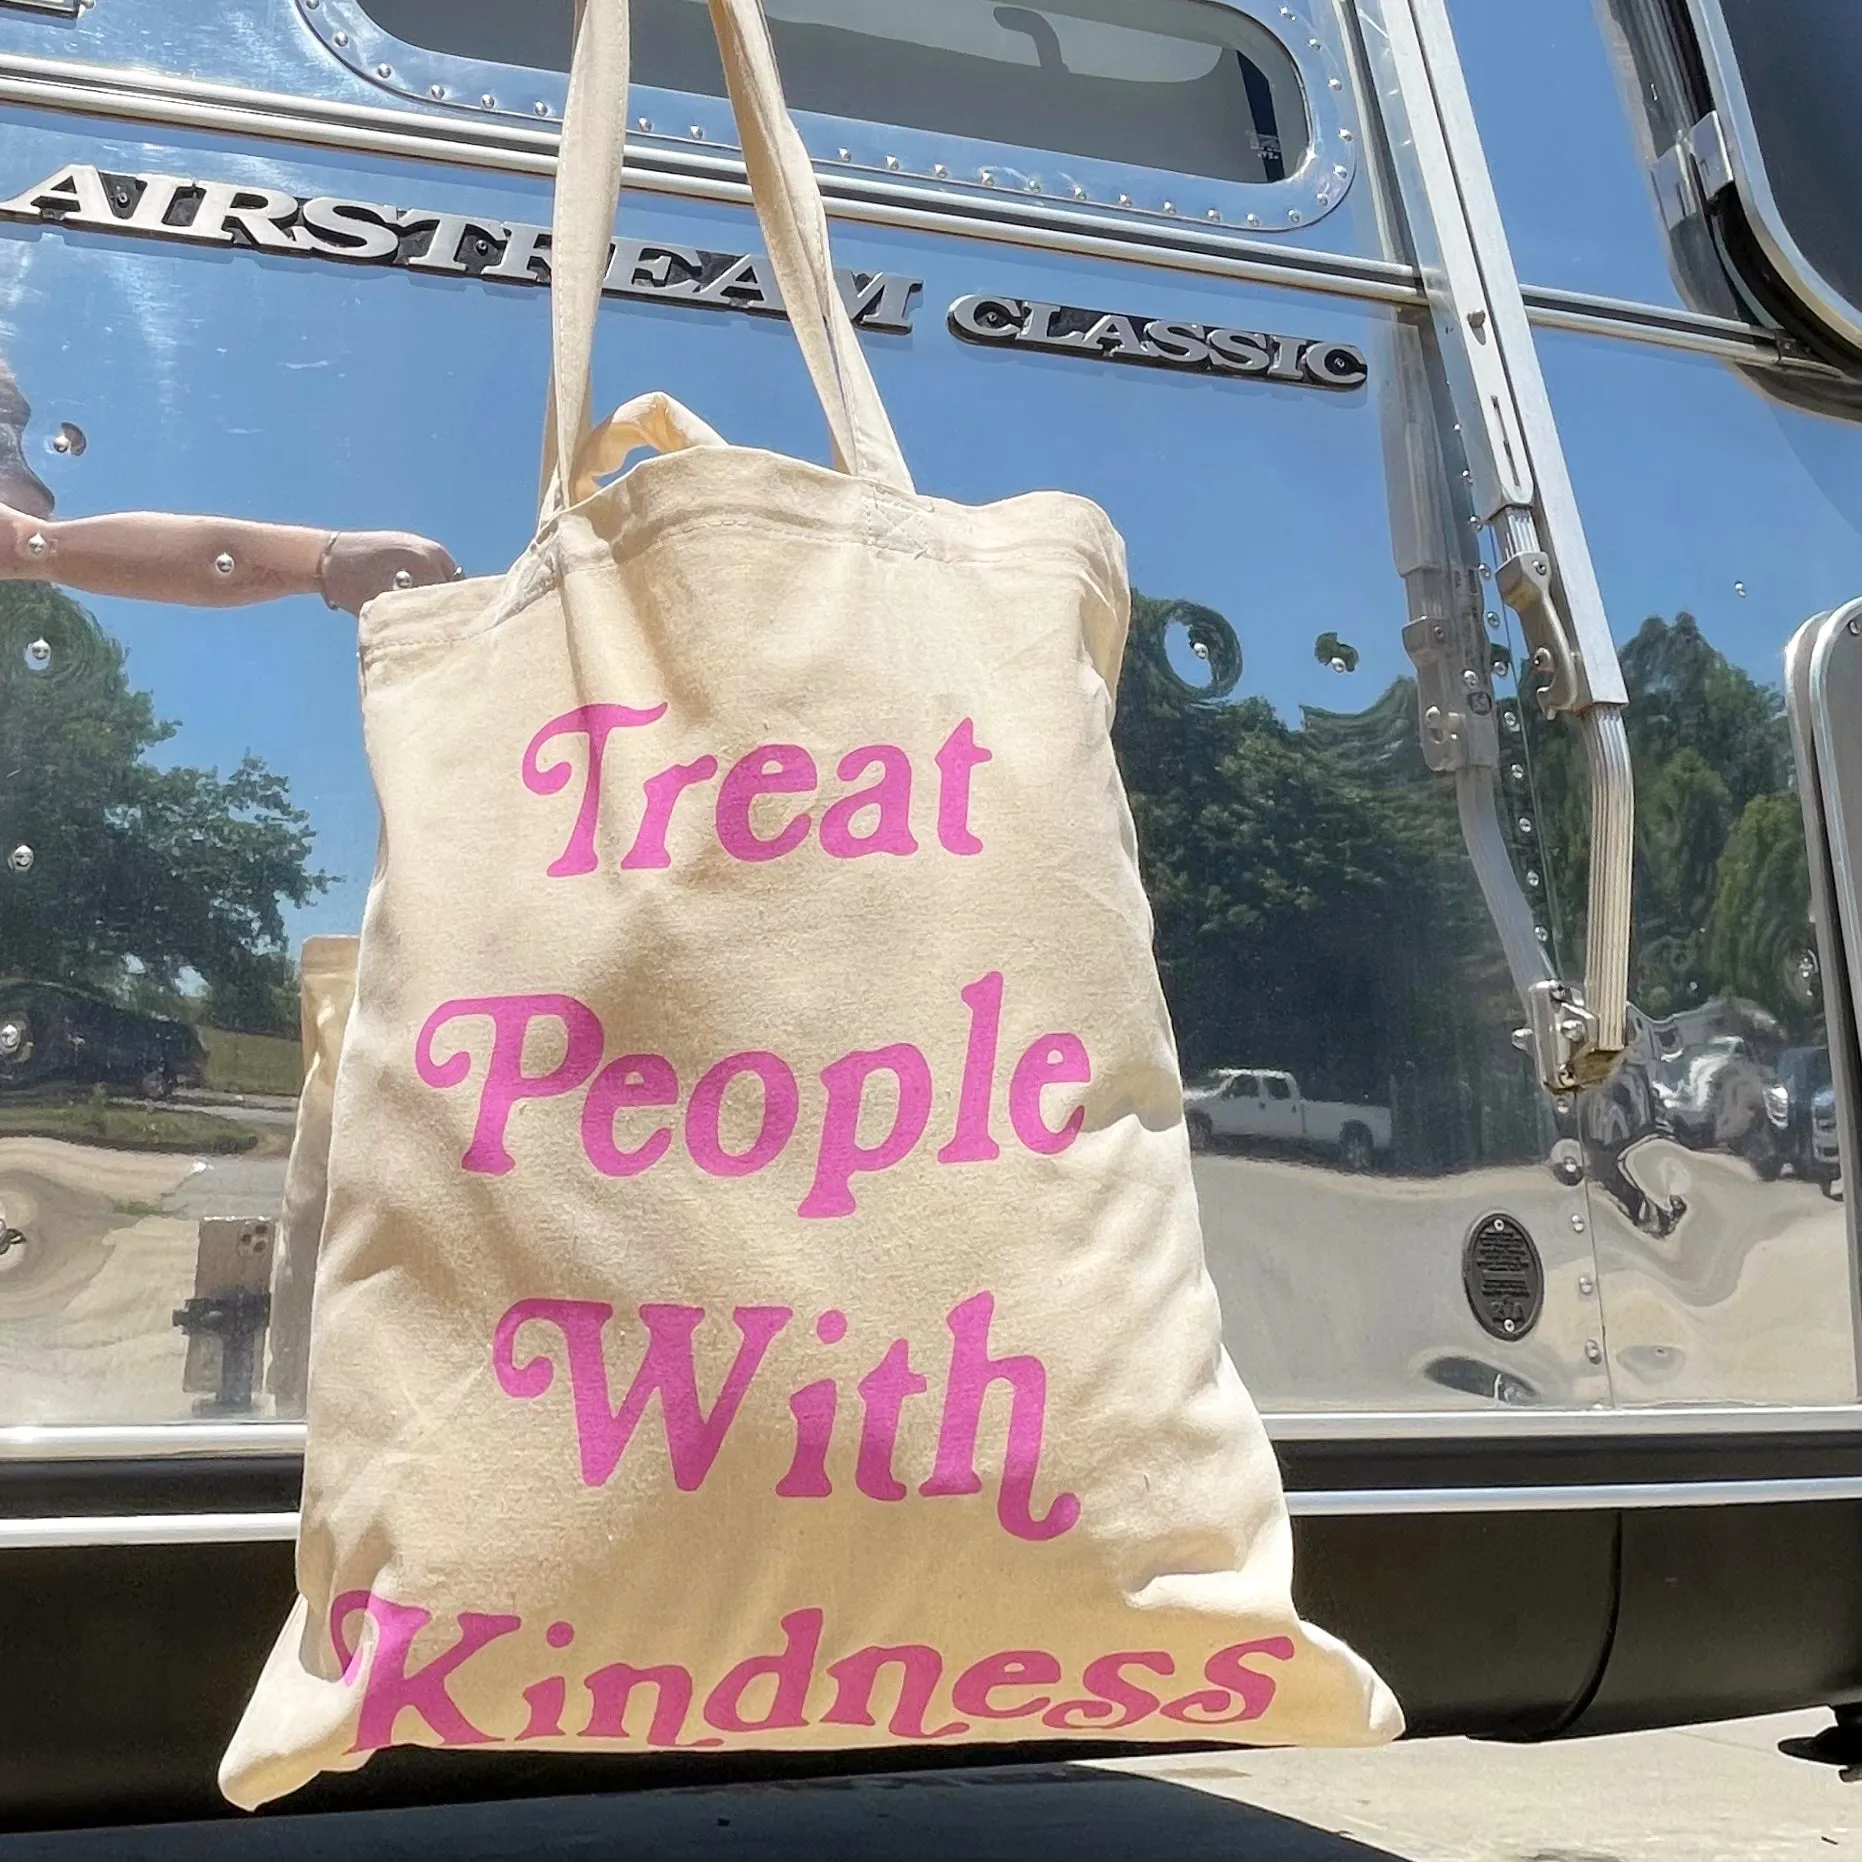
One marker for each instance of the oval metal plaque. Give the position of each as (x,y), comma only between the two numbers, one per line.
(1504,1277)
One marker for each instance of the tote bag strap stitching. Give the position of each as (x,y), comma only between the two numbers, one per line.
(788,203)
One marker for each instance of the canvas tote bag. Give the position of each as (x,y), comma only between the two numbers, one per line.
(761,1300)
(326,989)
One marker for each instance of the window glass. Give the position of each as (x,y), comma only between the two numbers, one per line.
(1176,84)
(1278,1088)
(1244,1086)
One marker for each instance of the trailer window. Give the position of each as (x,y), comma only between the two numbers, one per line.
(1194,86)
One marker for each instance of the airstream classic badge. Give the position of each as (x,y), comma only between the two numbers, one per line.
(229,213)
(1157,342)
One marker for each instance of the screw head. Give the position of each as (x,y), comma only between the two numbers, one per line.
(38,654)
(224,564)
(1586,1285)
(437,92)
(12,1037)
(404,578)
(21,858)
(36,544)
(488,101)
(1593,1351)
(341,38)
(542,109)
(384,71)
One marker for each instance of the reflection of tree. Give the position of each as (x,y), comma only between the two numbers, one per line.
(1315,909)
(139,873)
(1722,888)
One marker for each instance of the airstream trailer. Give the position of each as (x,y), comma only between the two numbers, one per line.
(1477,390)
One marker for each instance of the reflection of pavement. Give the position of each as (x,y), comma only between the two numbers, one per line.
(87,1301)
(1338,1290)
(1748,1296)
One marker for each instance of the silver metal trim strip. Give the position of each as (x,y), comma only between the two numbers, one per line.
(1526,1425)
(45,1443)
(1380,1502)
(32,1535)
(149,1441)
(73,1531)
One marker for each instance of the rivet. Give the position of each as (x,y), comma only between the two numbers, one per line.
(1470,678)
(1212,213)
(20,859)
(404,578)
(1344,135)
(1593,1351)
(1854,624)
(1586,1285)
(892,162)
(643,123)
(437,92)
(12,1037)
(1577,1224)
(1286,12)
(1543,935)
(1170,206)
(1532,879)
(1254,219)
(1341,171)
(1739,589)
(842,155)
(1294,216)
(1525,824)
(224,563)
(488,101)
(38,654)
(698,132)
(1493,620)
(941,173)
(1512,722)
(312,5)
(1518,770)
(1315,45)
(384,71)
(1033,187)
(1124,200)
(341,38)
(36,544)
(542,108)
(1337,84)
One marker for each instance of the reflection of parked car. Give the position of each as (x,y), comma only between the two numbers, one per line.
(1711,1096)
(54,1036)
(1265,1106)
(1826,1157)
(1787,1137)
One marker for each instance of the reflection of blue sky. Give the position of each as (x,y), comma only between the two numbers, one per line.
(308,391)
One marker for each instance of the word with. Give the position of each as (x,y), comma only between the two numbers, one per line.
(1158,342)
(421,239)
(649,1081)
(694,1436)
(768,770)
(1116,1691)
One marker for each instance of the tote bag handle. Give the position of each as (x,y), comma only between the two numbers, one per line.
(788,204)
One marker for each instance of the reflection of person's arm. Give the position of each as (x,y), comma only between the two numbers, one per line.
(214,562)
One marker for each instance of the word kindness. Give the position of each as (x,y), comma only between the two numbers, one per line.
(620,1091)
(776,1693)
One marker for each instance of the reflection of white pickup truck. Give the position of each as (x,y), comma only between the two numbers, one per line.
(1264,1106)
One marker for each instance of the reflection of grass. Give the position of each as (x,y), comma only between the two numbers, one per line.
(135,1207)
(252,1063)
(98,1120)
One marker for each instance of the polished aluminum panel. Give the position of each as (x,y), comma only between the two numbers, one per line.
(1717,520)
(1318,915)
